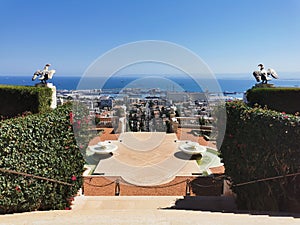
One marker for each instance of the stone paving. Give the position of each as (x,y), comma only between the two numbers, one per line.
(152,158)
(138,210)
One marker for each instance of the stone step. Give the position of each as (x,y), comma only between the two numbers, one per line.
(205,203)
(142,210)
(123,202)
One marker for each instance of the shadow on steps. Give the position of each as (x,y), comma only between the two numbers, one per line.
(224,204)
(206,203)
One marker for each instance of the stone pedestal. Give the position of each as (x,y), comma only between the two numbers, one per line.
(53,88)
(260,85)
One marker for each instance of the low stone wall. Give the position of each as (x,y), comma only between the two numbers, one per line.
(98,185)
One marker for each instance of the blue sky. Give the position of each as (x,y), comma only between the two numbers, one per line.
(231,36)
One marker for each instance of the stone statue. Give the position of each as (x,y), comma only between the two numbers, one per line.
(264,75)
(44,74)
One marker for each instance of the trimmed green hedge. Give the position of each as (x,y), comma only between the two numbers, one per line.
(260,144)
(277,98)
(16,100)
(41,145)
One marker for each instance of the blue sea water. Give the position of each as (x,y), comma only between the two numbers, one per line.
(178,83)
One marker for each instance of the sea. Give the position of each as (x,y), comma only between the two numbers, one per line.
(177,83)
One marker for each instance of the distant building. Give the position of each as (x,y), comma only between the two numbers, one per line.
(184,96)
(106,103)
(177,96)
(134,100)
(197,96)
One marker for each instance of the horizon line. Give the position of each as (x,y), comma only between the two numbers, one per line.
(223,75)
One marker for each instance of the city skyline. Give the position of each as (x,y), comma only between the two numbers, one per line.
(230,37)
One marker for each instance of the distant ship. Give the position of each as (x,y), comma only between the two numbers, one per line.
(229,92)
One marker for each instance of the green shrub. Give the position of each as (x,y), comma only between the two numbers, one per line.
(260,144)
(15,100)
(280,99)
(81,122)
(41,145)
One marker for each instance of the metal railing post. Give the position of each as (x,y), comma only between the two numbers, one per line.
(117,188)
(188,188)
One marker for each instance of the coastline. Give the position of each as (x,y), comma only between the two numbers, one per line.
(189,85)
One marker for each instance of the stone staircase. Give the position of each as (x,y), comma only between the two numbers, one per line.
(147,210)
(204,203)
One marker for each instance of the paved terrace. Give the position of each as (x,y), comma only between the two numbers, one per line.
(151,158)
(147,159)
(182,134)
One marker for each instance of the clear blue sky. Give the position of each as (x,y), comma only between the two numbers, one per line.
(231,36)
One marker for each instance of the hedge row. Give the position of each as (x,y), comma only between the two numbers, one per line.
(16,100)
(279,98)
(42,145)
(260,144)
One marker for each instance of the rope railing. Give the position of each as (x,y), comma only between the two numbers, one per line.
(189,183)
(117,182)
(266,179)
(156,186)
(206,186)
(100,186)
(118,188)
(140,186)
(34,176)
(224,177)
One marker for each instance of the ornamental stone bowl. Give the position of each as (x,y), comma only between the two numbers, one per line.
(103,148)
(192,148)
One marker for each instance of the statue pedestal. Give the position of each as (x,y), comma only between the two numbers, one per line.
(53,88)
(264,85)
